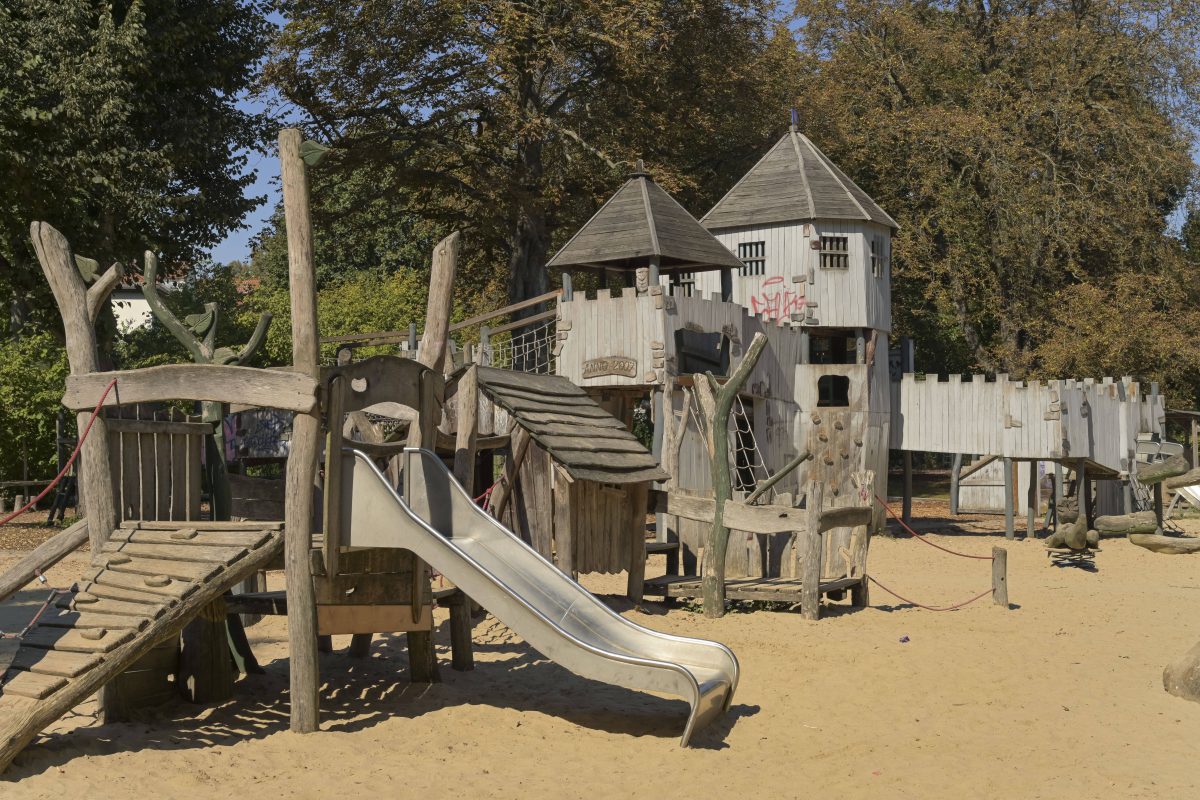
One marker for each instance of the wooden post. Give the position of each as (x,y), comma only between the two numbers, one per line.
(810,586)
(805,355)
(636,493)
(654,267)
(1195,443)
(564,539)
(1086,509)
(79,306)
(306,434)
(1000,576)
(906,502)
(434,341)
(1058,493)
(1031,503)
(955,469)
(467,429)
(568,293)
(727,285)
(412,339)
(1009,528)
(860,347)
(661,408)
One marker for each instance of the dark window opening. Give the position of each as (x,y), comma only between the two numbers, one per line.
(835,252)
(683,284)
(753,256)
(696,351)
(833,391)
(838,348)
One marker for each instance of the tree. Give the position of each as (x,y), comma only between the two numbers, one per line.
(1025,148)
(508,120)
(119,124)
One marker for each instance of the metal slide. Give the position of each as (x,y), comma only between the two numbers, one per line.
(559,618)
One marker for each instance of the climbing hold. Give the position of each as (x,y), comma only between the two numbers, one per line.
(184,533)
(816,419)
(838,424)
(157,580)
(85,598)
(93,634)
(116,558)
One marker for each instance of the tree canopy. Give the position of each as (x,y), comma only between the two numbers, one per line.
(119,124)
(508,120)
(1032,153)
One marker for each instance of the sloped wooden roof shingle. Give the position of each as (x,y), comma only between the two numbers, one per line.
(793,182)
(587,441)
(637,223)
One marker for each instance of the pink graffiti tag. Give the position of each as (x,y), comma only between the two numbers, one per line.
(775,301)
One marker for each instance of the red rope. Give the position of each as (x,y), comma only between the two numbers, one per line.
(923,539)
(928,608)
(487,493)
(70,461)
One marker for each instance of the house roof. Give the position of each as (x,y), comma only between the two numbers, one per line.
(637,223)
(793,182)
(587,441)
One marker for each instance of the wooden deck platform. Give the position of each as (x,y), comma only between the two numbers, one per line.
(784,590)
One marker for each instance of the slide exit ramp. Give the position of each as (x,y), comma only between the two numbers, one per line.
(437,520)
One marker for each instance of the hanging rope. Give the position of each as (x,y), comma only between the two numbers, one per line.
(921,538)
(74,454)
(922,605)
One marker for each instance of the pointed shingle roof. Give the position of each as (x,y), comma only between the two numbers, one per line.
(637,223)
(793,182)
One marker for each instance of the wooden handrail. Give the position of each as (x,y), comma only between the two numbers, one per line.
(390,336)
(265,388)
(521,323)
(42,558)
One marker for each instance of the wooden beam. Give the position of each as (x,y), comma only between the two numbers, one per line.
(503,491)
(290,391)
(978,465)
(467,429)
(306,432)
(42,558)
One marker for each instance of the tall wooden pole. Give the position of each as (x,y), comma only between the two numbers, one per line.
(79,306)
(435,340)
(1009,530)
(306,434)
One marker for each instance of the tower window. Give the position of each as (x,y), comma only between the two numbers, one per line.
(753,256)
(835,252)
(878,256)
(683,283)
(833,391)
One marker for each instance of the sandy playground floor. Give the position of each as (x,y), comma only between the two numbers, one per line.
(1060,697)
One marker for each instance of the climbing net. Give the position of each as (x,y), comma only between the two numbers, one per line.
(748,458)
(529,351)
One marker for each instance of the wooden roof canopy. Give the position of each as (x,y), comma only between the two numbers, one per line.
(794,182)
(583,438)
(639,223)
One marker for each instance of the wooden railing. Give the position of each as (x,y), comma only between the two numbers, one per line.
(42,558)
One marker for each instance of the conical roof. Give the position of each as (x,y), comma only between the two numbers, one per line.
(637,223)
(793,182)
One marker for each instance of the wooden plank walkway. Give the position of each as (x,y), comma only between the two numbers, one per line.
(152,579)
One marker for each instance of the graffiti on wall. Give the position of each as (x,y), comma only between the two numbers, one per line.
(775,300)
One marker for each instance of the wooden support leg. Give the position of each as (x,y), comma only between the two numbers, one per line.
(860,594)
(955,469)
(637,544)
(241,646)
(206,672)
(1158,506)
(461,656)
(1058,492)
(906,511)
(422,662)
(810,586)
(1031,503)
(1009,529)
(360,645)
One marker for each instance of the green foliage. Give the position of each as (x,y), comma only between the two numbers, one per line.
(119,126)
(1028,150)
(511,120)
(33,370)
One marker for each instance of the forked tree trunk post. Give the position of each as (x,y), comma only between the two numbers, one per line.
(718,447)
(306,434)
(79,307)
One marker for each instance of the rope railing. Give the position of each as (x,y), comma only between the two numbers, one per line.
(999,559)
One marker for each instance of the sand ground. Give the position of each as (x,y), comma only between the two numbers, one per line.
(1059,697)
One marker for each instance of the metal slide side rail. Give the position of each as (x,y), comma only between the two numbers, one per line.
(437,520)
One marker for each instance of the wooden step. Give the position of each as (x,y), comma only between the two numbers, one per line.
(102,605)
(246,539)
(203,525)
(32,685)
(145,584)
(195,571)
(107,591)
(177,551)
(55,662)
(92,619)
(94,640)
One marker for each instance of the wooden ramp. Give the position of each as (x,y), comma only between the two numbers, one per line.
(152,579)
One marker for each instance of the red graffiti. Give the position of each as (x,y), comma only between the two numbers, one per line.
(775,301)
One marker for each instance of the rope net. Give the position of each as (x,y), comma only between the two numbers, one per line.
(529,351)
(747,456)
